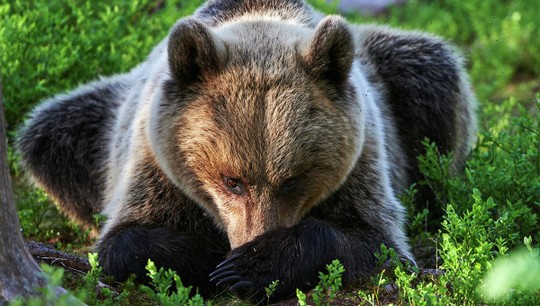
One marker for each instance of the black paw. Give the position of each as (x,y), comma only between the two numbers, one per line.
(292,256)
(229,275)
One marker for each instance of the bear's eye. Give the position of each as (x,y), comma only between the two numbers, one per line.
(234,185)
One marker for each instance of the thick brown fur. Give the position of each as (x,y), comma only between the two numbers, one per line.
(259,134)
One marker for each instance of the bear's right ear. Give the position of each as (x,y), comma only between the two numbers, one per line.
(194,50)
(330,53)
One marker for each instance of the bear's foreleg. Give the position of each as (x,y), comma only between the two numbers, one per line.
(294,256)
(126,250)
(63,145)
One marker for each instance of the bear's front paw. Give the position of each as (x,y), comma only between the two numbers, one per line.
(228,274)
(243,274)
(277,256)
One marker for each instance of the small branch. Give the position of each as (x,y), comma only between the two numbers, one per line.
(42,253)
(54,257)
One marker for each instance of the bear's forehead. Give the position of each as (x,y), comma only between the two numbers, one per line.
(243,96)
(275,131)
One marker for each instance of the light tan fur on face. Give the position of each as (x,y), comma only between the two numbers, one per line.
(265,137)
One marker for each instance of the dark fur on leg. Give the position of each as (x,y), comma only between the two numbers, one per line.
(126,250)
(426,93)
(294,256)
(64,146)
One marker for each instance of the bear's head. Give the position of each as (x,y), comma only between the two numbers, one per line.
(259,120)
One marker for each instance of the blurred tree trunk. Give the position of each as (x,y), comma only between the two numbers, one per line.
(19,273)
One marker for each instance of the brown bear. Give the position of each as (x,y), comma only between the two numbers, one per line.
(260,137)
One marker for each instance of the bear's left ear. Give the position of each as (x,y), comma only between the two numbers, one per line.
(330,53)
(194,50)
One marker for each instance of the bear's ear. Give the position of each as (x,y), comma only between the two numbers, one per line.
(194,50)
(330,52)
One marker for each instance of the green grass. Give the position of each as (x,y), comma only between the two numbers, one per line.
(489,232)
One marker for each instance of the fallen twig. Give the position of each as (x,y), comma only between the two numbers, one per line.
(42,253)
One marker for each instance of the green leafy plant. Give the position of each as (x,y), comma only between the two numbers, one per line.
(513,279)
(372,297)
(163,291)
(302,298)
(328,286)
(271,288)
(329,283)
(90,291)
